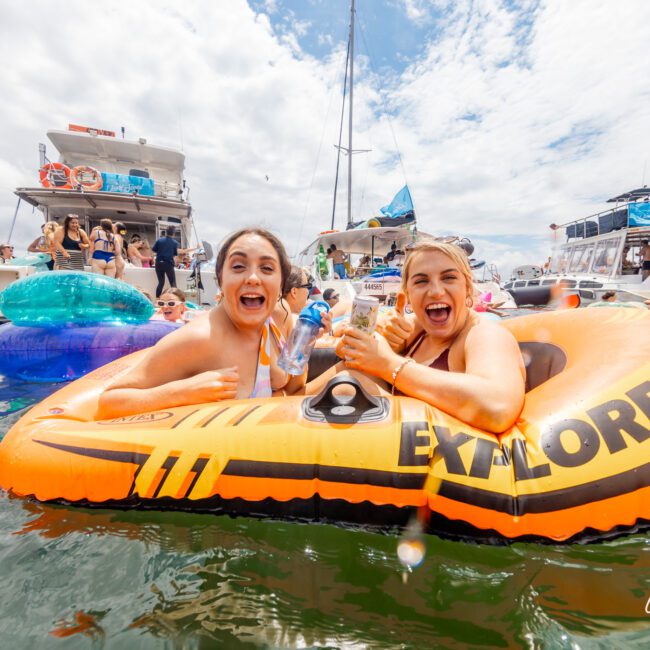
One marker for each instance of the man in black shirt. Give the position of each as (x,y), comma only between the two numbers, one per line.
(166,249)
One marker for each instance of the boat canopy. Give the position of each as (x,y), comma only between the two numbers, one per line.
(632,195)
(366,241)
(73,145)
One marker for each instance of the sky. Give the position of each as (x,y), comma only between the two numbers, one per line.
(502,116)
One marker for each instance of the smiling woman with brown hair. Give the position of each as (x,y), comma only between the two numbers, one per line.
(231,353)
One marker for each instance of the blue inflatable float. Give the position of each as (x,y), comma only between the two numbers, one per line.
(66,324)
(56,354)
(63,297)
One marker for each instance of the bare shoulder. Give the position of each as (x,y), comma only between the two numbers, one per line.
(178,355)
(488,339)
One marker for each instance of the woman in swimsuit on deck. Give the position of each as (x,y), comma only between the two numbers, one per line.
(444,353)
(70,240)
(231,353)
(103,248)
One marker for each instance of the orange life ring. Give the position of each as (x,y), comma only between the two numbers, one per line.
(53,173)
(79,174)
(327,232)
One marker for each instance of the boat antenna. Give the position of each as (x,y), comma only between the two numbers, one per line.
(123,131)
(645,165)
(349,150)
(351,56)
(338,155)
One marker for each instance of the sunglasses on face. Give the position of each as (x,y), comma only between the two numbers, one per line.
(308,285)
(168,303)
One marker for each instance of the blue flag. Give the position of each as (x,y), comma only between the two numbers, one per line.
(400,205)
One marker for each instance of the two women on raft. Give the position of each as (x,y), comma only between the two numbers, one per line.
(442,353)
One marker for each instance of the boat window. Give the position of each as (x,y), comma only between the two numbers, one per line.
(508,285)
(533,283)
(547,283)
(581,258)
(591,284)
(604,256)
(559,260)
(520,283)
(568,284)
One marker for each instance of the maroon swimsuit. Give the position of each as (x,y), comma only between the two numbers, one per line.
(441,362)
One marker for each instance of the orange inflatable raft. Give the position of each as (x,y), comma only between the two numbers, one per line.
(575,467)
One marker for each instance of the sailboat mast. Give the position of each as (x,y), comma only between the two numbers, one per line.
(351,55)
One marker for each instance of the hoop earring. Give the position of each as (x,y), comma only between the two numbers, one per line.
(469,302)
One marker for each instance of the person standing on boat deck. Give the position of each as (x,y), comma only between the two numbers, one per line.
(70,242)
(45,243)
(119,230)
(338,258)
(644,255)
(6,253)
(135,251)
(104,249)
(166,249)
(232,352)
(443,353)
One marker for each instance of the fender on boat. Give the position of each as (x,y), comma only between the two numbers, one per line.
(576,466)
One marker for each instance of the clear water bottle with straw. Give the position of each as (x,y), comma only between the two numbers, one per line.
(296,352)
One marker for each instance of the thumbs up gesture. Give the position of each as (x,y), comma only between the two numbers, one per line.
(396,326)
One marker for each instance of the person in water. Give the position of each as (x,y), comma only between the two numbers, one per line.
(230,353)
(171,306)
(443,353)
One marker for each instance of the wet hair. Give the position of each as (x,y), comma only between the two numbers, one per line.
(285,265)
(293,280)
(67,220)
(333,247)
(175,291)
(608,294)
(453,252)
(119,226)
(107,226)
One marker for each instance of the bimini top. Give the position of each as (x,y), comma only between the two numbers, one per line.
(364,241)
(632,195)
(75,145)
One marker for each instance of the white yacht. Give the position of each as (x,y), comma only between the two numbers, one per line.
(128,181)
(595,254)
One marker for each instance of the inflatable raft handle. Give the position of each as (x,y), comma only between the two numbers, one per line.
(327,407)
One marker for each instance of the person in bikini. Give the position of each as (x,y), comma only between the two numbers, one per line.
(70,242)
(230,353)
(103,249)
(443,353)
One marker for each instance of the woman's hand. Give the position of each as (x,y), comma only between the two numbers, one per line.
(326,324)
(395,327)
(370,353)
(212,385)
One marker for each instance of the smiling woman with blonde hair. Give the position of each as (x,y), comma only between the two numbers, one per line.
(443,353)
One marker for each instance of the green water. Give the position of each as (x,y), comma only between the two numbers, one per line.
(76,578)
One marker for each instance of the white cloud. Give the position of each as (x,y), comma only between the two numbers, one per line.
(475,117)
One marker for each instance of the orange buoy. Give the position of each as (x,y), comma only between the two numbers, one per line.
(56,175)
(88,177)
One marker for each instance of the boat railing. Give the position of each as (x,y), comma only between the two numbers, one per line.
(610,220)
(600,223)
